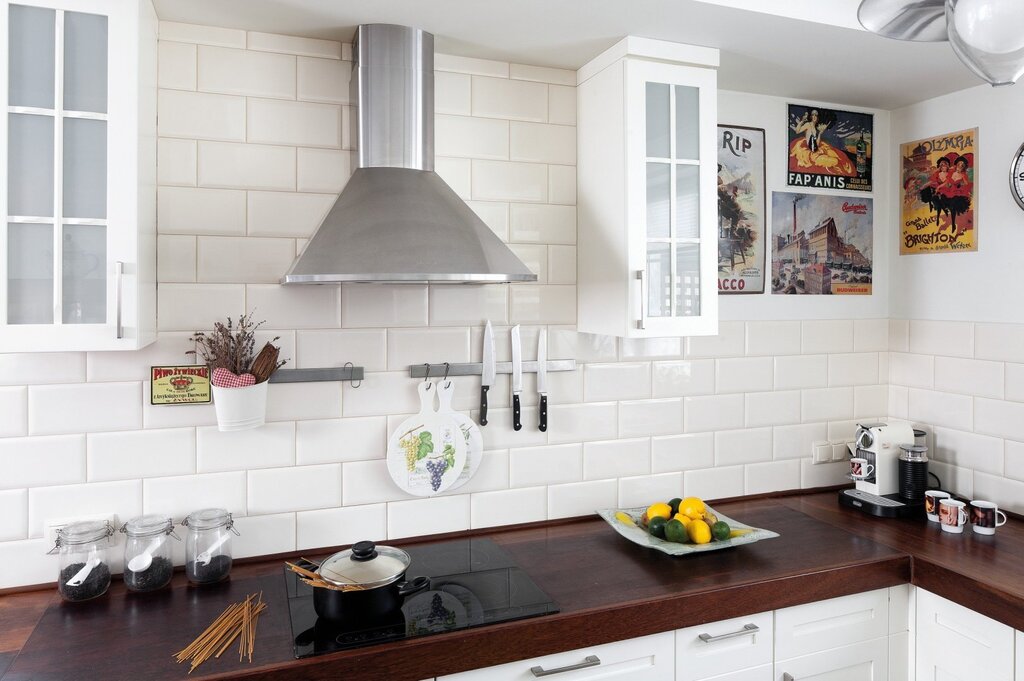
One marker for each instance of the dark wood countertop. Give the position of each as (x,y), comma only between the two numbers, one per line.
(607,589)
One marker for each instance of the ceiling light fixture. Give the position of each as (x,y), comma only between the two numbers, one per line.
(986,35)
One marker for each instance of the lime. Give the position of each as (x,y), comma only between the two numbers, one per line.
(684,519)
(657,527)
(674,505)
(675,531)
(720,530)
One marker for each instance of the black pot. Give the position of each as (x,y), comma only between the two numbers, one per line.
(374,581)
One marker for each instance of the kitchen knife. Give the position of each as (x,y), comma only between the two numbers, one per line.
(517,378)
(487,378)
(542,379)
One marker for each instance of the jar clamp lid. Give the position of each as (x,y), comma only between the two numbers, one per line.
(148,526)
(208,519)
(82,532)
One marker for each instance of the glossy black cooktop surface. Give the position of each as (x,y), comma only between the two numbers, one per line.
(473,582)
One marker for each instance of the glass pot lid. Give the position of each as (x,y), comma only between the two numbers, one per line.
(366,565)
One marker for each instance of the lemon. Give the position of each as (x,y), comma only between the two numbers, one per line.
(699,532)
(710,518)
(720,531)
(659,510)
(624,518)
(684,519)
(739,533)
(692,507)
(675,531)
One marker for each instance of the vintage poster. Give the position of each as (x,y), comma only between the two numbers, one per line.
(180,384)
(939,194)
(821,244)
(741,210)
(829,149)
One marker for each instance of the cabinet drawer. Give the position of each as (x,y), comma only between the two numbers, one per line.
(732,645)
(806,629)
(863,661)
(763,673)
(954,642)
(649,658)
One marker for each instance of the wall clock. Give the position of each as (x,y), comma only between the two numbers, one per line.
(1017,177)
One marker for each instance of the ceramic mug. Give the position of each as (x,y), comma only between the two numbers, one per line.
(952,515)
(860,469)
(931,503)
(985,517)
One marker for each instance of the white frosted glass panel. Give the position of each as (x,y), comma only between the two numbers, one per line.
(658,200)
(687,123)
(31,56)
(687,280)
(659,275)
(85,62)
(687,202)
(29,274)
(29,165)
(658,144)
(84,274)
(85,168)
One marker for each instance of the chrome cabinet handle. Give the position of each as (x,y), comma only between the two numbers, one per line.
(589,661)
(119,273)
(747,629)
(641,322)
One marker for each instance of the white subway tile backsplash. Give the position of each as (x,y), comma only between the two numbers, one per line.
(535,257)
(416,346)
(246,166)
(562,105)
(581,498)
(371,306)
(123,498)
(306,124)
(469,65)
(575,423)
(511,99)
(491,475)
(953,339)
(421,517)
(176,65)
(743,446)
(826,336)
(326,348)
(562,265)
(176,258)
(286,214)
(682,452)
(1009,494)
(714,483)
(295,307)
(13,515)
(246,72)
(141,454)
(870,401)
(42,461)
(268,446)
(542,143)
(457,174)
(337,440)
(953,411)
(773,338)
(967,450)
(805,371)
(542,74)
(641,490)
(713,412)
(1014,460)
(651,348)
(508,507)
(542,223)
(452,92)
(203,35)
(301,488)
(495,215)
(899,402)
(83,408)
(176,162)
(562,185)
(542,304)
(999,342)
(650,417)
(772,408)
(227,259)
(199,115)
(330,527)
(289,44)
(616,459)
(184,210)
(681,379)
(823,474)
(191,307)
(729,342)
(826,404)
(871,335)
(915,371)
(772,476)
(969,376)
(794,442)
(899,335)
(264,534)
(323,170)
(34,368)
(508,181)
(323,80)
(471,137)
(1014,382)
(368,482)
(859,368)
(622,381)
(531,466)
(991,417)
(381,394)
(749,374)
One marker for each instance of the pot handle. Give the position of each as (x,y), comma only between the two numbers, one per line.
(413,586)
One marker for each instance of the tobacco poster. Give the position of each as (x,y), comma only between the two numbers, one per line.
(741,210)
(821,245)
(939,194)
(829,149)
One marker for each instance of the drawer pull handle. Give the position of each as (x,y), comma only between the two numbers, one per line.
(747,629)
(589,661)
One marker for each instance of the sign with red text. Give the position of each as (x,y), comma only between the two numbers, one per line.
(741,210)
(188,384)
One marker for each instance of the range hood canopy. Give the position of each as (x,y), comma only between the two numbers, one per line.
(397,221)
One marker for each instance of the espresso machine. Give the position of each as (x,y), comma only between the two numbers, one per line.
(898,474)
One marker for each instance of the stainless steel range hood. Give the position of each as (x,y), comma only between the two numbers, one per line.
(397,221)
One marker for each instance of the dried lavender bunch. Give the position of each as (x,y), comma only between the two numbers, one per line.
(229,346)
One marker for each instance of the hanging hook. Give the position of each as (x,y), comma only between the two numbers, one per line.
(447,367)
(426,372)
(350,365)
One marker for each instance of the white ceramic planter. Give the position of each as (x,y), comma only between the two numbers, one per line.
(240,408)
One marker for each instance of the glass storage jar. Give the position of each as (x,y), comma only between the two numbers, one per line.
(148,565)
(84,565)
(208,545)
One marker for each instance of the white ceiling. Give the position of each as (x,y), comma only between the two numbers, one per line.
(762,52)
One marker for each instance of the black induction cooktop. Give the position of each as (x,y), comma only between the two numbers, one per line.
(473,582)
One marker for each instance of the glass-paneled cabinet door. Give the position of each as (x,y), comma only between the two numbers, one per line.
(61,228)
(672,117)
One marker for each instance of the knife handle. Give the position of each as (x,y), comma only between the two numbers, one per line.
(483,404)
(516,413)
(543,425)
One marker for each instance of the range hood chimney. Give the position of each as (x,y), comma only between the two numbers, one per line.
(397,221)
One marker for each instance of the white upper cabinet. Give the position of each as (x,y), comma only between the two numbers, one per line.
(647,205)
(78,162)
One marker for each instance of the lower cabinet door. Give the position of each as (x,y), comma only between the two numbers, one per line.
(822,625)
(762,673)
(1020,656)
(712,650)
(955,643)
(649,658)
(863,661)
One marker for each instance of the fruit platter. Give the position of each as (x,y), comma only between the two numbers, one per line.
(681,526)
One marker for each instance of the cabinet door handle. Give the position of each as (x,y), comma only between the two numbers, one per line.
(589,661)
(747,629)
(641,322)
(119,295)
(786,676)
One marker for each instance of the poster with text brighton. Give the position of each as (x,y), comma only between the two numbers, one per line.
(829,149)
(741,210)
(821,245)
(939,194)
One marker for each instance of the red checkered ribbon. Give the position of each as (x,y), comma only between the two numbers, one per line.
(222,378)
